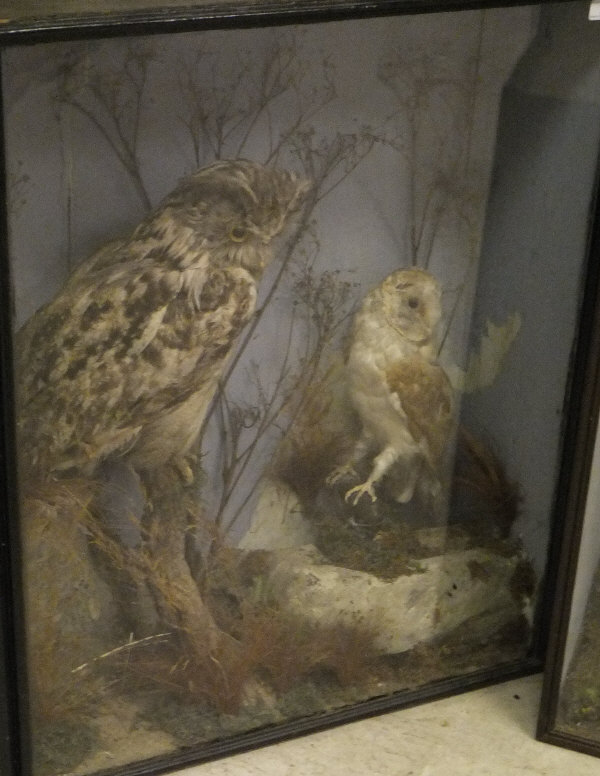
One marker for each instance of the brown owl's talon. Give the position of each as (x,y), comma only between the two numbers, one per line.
(185,471)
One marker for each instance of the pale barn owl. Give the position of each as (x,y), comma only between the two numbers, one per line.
(124,361)
(402,396)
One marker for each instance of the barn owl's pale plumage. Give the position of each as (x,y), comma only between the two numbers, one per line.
(402,396)
(124,361)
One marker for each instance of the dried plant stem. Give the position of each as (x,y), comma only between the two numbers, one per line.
(125,153)
(146,641)
(114,106)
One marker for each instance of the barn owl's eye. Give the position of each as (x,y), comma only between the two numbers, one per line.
(238,233)
(413,302)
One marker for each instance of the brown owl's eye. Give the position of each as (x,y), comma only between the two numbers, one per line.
(238,234)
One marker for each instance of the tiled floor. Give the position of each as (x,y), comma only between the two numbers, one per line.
(487,732)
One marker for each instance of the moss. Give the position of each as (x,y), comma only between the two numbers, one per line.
(523,581)
(481,486)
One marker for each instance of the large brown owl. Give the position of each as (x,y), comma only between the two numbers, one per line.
(124,361)
(403,397)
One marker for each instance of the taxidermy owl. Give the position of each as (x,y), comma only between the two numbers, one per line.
(125,360)
(402,396)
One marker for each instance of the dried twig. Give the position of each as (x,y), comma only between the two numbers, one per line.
(146,641)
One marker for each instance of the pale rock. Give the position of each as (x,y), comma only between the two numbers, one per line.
(445,592)
(277,522)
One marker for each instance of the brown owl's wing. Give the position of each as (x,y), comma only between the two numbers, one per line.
(426,398)
(107,355)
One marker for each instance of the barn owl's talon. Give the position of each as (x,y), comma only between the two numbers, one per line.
(346,470)
(354,495)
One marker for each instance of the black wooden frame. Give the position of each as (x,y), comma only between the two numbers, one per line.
(566,544)
(582,397)
(215,14)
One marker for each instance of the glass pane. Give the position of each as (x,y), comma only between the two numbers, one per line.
(289,430)
(578,709)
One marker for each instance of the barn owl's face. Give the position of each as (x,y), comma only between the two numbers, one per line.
(412,303)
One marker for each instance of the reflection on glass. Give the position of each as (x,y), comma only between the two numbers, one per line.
(578,707)
(289,437)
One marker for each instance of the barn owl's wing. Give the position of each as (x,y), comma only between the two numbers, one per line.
(426,398)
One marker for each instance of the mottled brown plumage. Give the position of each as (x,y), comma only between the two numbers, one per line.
(125,359)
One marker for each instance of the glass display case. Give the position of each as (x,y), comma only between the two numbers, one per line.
(297,348)
(570,708)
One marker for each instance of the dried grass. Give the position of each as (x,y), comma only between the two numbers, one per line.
(482,477)
(272,648)
(322,434)
(61,589)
